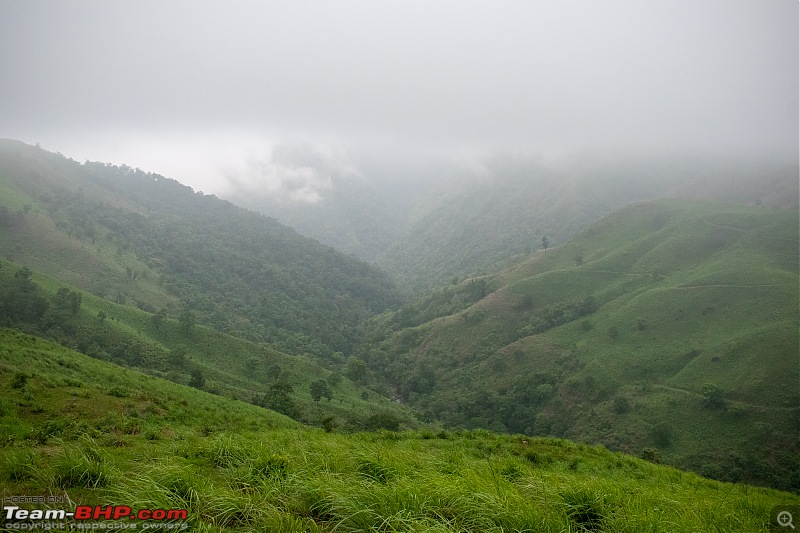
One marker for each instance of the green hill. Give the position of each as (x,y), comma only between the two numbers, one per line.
(137,269)
(141,239)
(667,328)
(85,432)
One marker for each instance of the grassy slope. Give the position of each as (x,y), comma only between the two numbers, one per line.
(44,242)
(103,435)
(233,367)
(688,294)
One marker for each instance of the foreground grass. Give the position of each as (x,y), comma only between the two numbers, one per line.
(306,480)
(97,434)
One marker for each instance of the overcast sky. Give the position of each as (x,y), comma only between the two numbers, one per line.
(199,90)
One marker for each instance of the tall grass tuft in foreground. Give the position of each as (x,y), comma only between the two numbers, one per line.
(82,466)
(20,465)
(309,480)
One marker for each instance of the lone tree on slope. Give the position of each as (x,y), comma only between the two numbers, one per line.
(320,389)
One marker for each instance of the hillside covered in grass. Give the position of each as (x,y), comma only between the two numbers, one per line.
(96,434)
(294,385)
(667,328)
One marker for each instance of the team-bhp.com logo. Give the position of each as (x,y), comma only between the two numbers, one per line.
(89,517)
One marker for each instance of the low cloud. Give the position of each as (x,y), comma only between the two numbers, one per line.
(188,88)
(288,172)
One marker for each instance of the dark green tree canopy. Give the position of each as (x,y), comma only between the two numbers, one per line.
(320,389)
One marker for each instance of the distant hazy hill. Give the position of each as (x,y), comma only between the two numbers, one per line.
(352,216)
(473,222)
(361,209)
(141,239)
(426,222)
(665,326)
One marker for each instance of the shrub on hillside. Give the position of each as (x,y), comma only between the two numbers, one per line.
(386,421)
(621,405)
(714,397)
